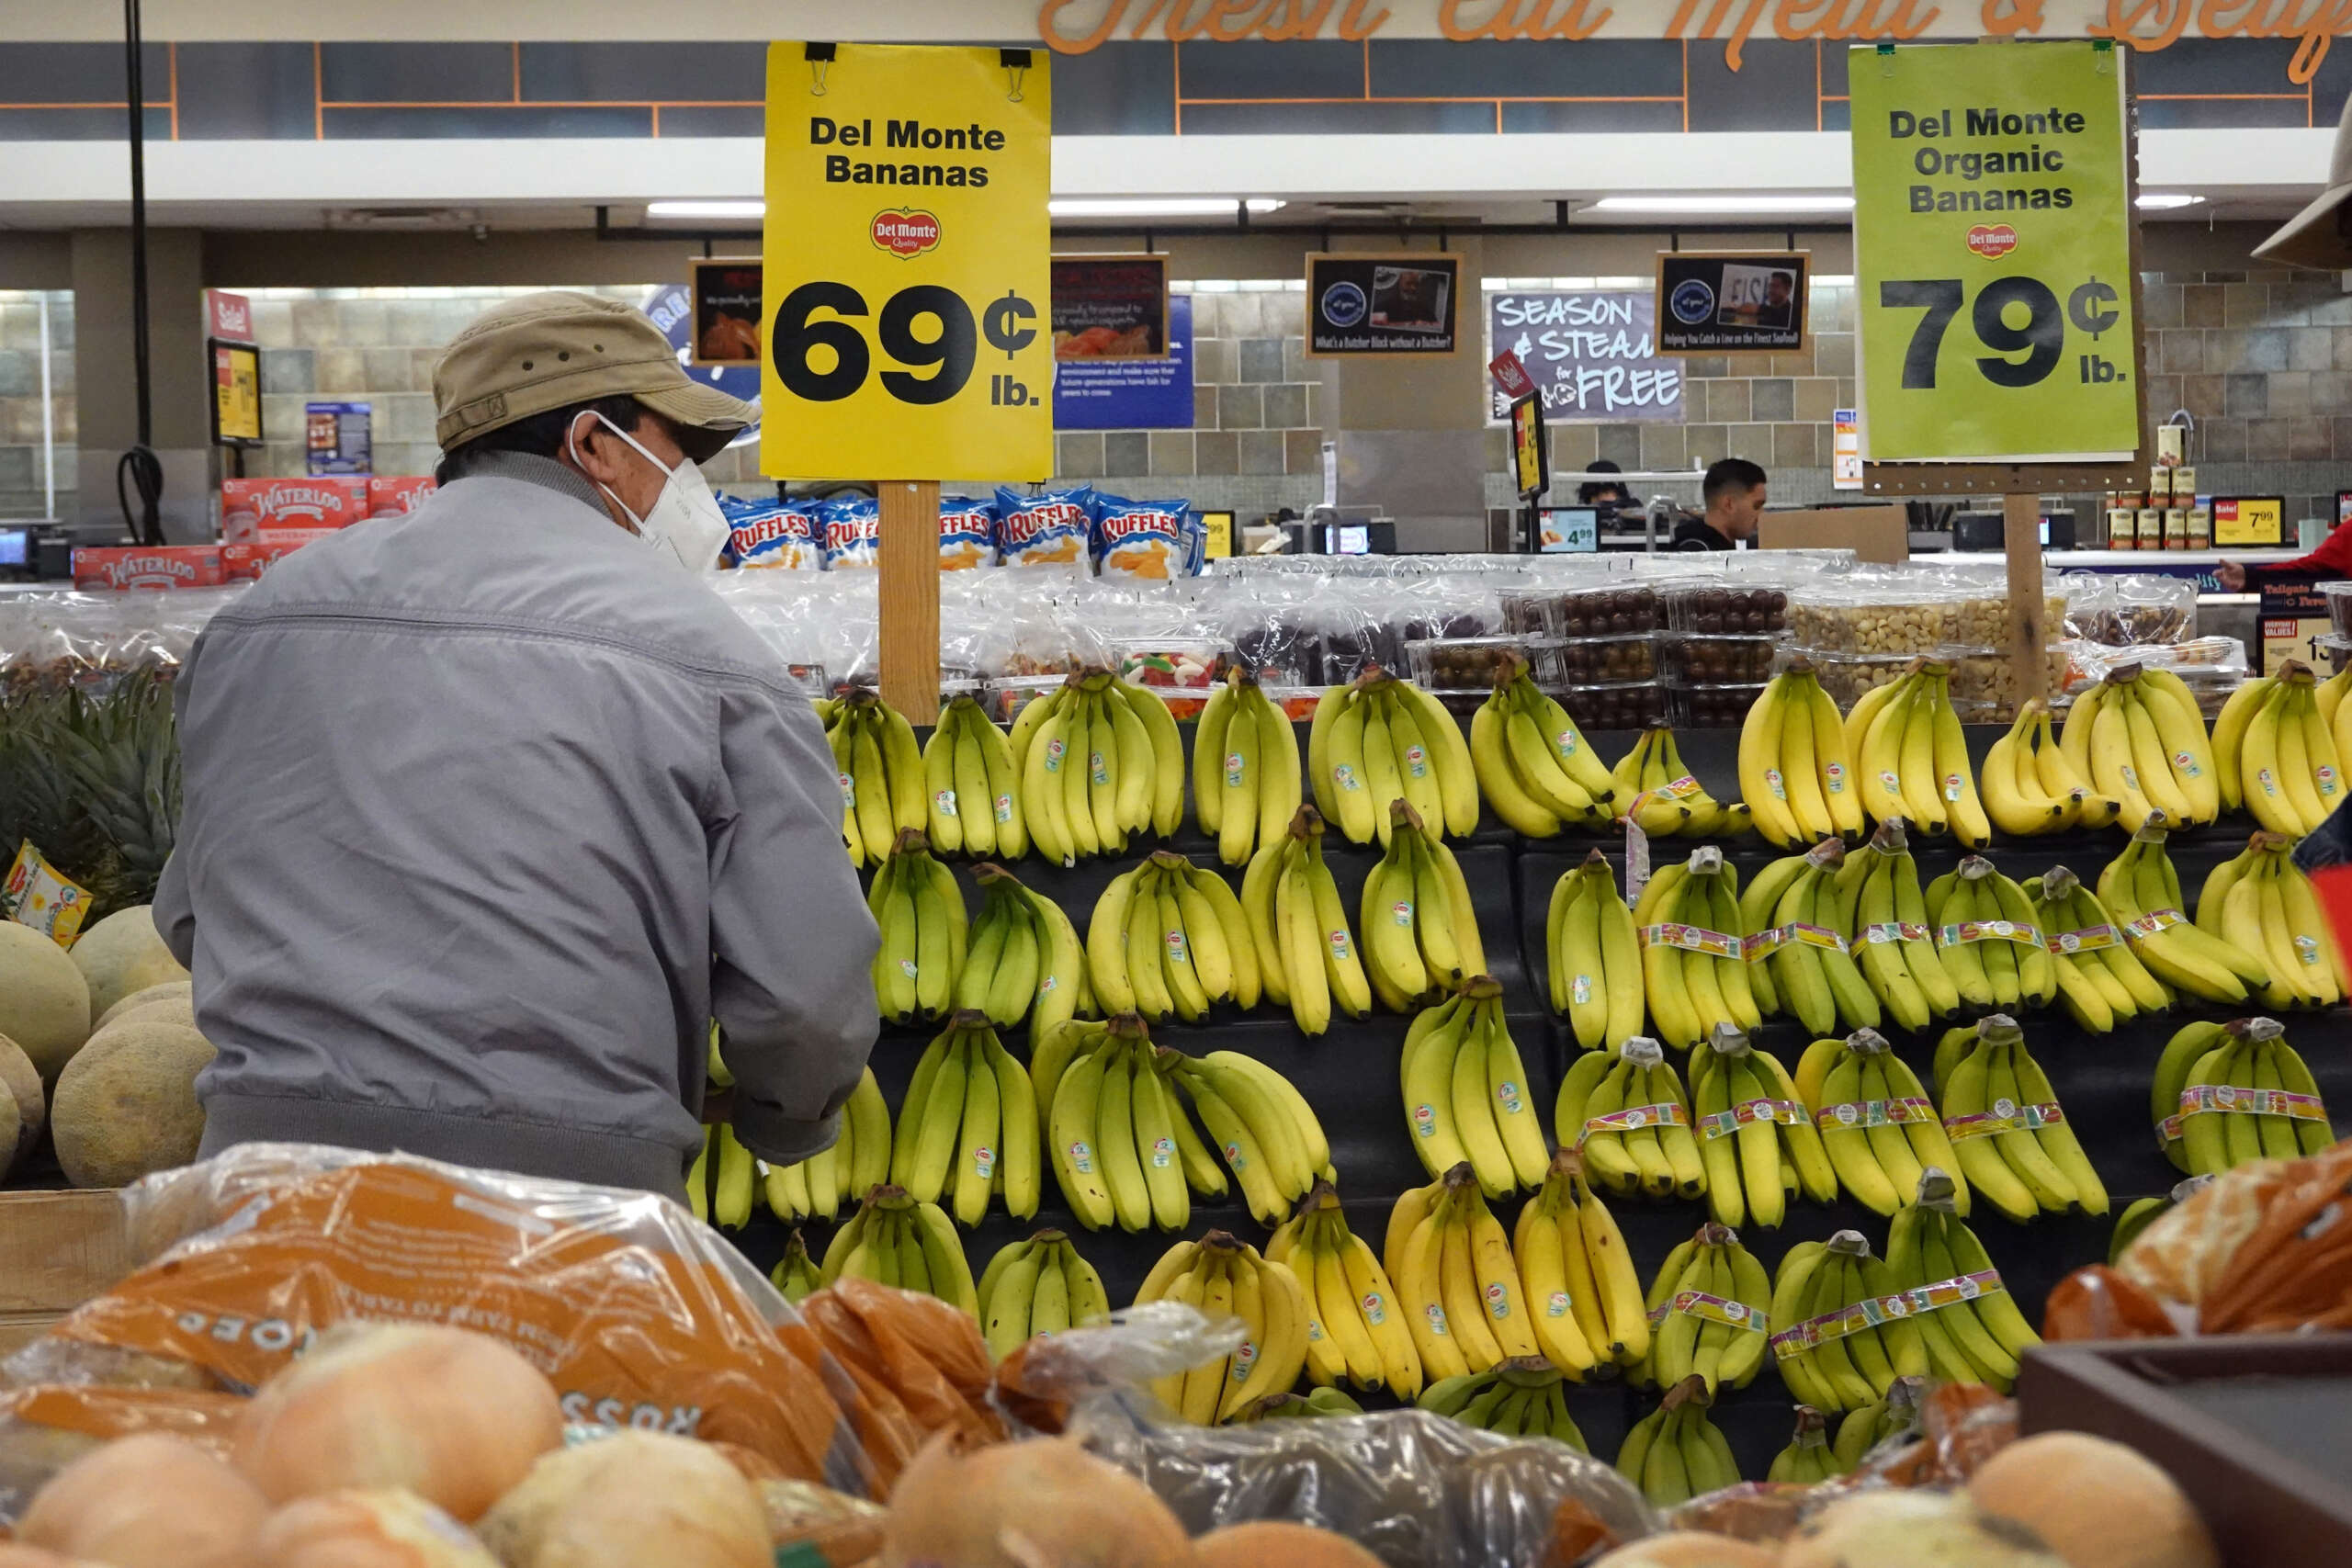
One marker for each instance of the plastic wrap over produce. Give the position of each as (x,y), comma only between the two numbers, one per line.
(639,1315)
(50,643)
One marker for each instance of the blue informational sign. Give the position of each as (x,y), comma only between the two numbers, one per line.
(672,307)
(338,438)
(1135,394)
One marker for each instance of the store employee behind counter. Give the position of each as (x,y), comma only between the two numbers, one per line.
(1733,492)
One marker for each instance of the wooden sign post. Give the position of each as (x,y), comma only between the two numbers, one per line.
(910,597)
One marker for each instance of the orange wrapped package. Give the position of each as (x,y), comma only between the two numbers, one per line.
(2097,1303)
(919,1364)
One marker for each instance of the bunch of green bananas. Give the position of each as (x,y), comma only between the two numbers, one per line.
(1169,937)
(1594,955)
(2140,737)
(1710,1302)
(2006,1126)
(1379,739)
(1356,1327)
(1897,950)
(970,786)
(893,1240)
(1971,1335)
(970,1120)
(1626,1112)
(1756,1134)
(2213,1098)
(1306,956)
(1420,935)
(2143,891)
(1675,1453)
(1834,1355)
(796,1275)
(881,774)
(1466,1096)
(1458,1282)
(1520,1398)
(1580,1279)
(1985,936)
(1914,756)
(920,912)
(2262,902)
(1532,763)
(1797,909)
(1893,1417)
(821,1185)
(2101,983)
(1694,967)
(1037,1286)
(1808,1460)
(2031,786)
(2141,1212)
(1293,1406)
(1878,1126)
(1117,1133)
(1245,769)
(1021,958)
(2269,744)
(1098,758)
(1225,1277)
(1794,770)
(1672,802)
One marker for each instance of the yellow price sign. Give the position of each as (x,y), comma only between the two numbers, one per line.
(907,255)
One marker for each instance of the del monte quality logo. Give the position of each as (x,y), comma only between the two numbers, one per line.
(905,233)
(1992,241)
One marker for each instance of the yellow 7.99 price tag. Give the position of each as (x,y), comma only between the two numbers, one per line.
(906,265)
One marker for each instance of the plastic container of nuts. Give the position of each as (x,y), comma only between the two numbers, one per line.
(1711,705)
(1471,663)
(2339,605)
(1986,676)
(1689,657)
(1847,676)
(1630,706)
(1597,660)
(1582,611)
(1718,608)
(1905,616)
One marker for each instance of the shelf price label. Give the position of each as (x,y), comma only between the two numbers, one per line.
(906,251)
(1993,232)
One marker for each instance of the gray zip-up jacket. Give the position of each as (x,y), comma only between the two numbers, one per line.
(489,811)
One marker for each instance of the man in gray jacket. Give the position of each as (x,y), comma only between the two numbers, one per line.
(492,808)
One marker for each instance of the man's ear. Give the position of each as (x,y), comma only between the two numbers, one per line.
(591,449)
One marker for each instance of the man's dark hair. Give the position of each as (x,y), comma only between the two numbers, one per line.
(539,435)
(1728,474)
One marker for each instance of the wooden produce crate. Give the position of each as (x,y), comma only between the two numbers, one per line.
(57,1250)
(2255,1429)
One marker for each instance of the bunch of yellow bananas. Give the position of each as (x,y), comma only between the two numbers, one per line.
(1808,1460)
(1466,1096)
(1801,916)
(2006,1126)
(2140,737)
(1986,938)
(1315,1403)
(2262,902)
(920,911)
(1594,955)
(1037,1286)
(1227,1278)
(1756,1134)
(821,1185)
(1458,1282)
(1892,1418)
(1116,1131)
(1532,763)
(796,1276)
(1665,800)
(2032,787)
(1051,1056)
(1379,739)
(1306,956)
(2276,755)
(894,1240)
(1420,934)
(724,1181)
(970,1120)
(2140,1212)
(1972,1331)
(1245,769)
(1711,1303)
(2143,890)
(1357,1329)
(1516,1399)
(1169,937)
(881,773)
(1675,1453)
(2229,1093)
(1795,771)
(1878,1127)
(1694,963)
(1580,1279)
(2100,981)
(1833,1355)
(1021,958)
(971,788)
(1914,756)
(1625,1111)
(1098,758)
(1891,933)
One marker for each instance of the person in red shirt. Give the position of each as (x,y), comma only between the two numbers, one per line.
(2331,561)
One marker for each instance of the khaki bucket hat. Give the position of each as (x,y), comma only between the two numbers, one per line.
(542,352)
(2321,234)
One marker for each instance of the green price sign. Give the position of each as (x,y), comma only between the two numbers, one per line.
(1992,223)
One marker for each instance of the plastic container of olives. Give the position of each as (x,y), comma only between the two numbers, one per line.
(1633,705)
(1606,661)
(1717,659)
(1473,663)
(1583,612)
(1712,705)
(1725,611)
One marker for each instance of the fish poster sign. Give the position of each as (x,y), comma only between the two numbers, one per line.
(1592,352)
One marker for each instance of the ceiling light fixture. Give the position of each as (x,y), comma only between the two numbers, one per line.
(1157,205)
(2164,200)
(747,209)
(1774,204)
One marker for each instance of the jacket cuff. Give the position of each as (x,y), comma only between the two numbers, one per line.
(780,1139)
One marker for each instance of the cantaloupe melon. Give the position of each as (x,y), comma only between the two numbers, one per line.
(126,1104)
(44,1001)
(22,1080)
(123,953)
(138,1001)
(2098,1504)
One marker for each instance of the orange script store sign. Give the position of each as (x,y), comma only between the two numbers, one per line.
(1074,27)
